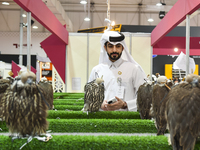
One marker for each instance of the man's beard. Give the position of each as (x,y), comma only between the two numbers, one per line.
(115,57)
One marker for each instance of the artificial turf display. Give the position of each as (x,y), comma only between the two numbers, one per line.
(52,114)
(98,125)
(77,142)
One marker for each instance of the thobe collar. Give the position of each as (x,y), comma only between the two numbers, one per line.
(115,64)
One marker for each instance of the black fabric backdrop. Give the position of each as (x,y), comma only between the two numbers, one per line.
(15,58)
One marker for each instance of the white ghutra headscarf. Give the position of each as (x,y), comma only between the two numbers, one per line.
(114,38)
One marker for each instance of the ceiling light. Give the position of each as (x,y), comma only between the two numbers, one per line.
(83,2)
(150,20)
(5,3)
(35,27)
(87,19)
(23,15)
(176,49)
(159,4)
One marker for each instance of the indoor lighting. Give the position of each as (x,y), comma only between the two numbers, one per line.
(113,23)
(159,4)
(150,20)
(87,19)
(161,14)
(23,15)
(5,3)
(176,49)
(35,27)
(83,2)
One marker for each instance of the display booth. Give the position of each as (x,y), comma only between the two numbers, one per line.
(174,46)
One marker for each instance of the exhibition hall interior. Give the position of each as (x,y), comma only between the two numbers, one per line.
(99,74)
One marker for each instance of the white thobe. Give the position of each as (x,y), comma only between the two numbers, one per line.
(131,75)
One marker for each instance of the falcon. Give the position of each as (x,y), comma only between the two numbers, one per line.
(47,91)
(183,113)
(144,100)
(24,108)
(94,95)
(160,91)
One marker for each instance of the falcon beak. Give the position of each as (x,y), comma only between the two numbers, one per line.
(29,81)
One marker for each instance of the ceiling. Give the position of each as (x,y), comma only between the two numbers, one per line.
(72,13)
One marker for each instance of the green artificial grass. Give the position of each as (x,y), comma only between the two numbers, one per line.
(102,125)
(70,100)
(65,102)
(68,107)
(52,114)
(67,95)
(71,142)
(99,125)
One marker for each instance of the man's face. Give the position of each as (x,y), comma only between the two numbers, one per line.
(114,51)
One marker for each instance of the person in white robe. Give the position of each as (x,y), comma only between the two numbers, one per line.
(122,75)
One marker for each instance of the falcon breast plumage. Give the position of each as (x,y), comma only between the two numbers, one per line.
(94,95)
(24,109)
(4,84)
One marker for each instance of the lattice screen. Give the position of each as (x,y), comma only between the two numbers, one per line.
(58,84)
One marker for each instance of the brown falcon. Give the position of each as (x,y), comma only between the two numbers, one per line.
(24,108)
(4,84)
(183,113)
(160,91)
(144,100)
(47,90)
(94,95)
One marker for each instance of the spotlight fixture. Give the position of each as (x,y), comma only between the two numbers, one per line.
(83,2)
(161,3)
(161,14)
(150,20)
(25,25)
(111,24)
(87,19)
(5,3)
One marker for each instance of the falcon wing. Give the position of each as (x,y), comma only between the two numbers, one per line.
(183,115)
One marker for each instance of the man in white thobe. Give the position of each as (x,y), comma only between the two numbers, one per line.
(121,73)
